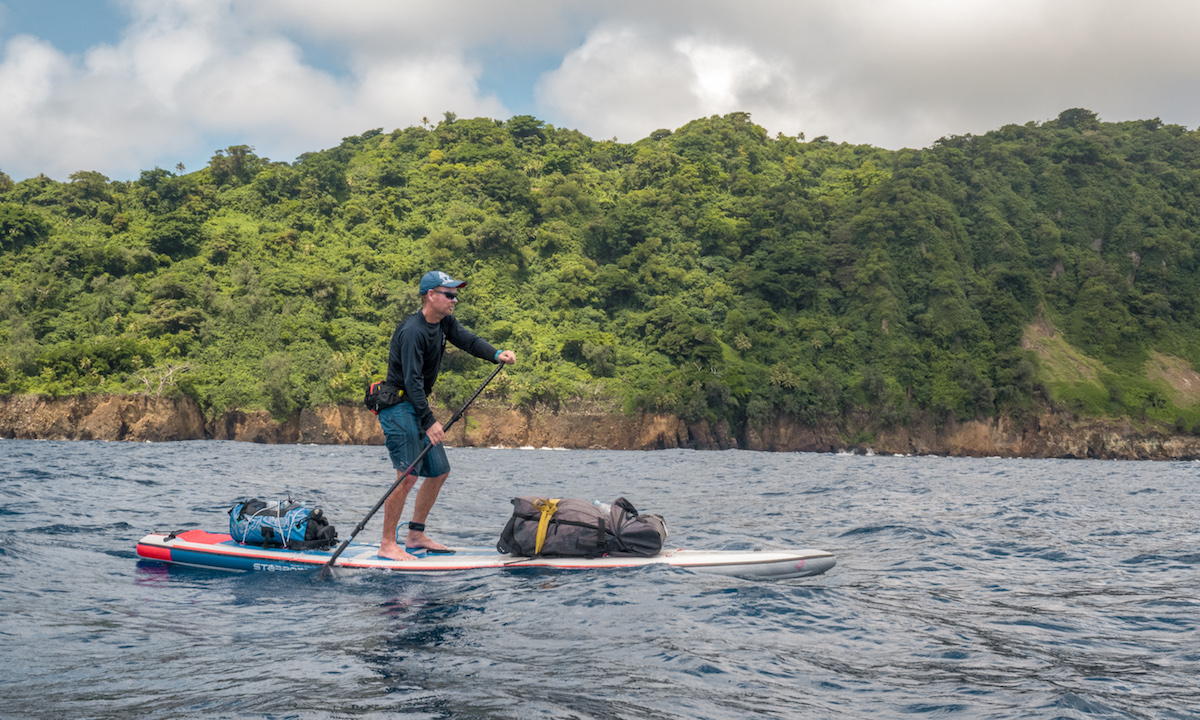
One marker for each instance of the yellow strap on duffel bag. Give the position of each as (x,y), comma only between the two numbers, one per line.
(548,508)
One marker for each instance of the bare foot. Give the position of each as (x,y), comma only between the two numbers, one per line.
(393,551)
(421,540)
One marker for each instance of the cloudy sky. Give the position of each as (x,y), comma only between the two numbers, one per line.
(121,86)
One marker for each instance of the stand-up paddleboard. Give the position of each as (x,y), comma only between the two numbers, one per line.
(219,551)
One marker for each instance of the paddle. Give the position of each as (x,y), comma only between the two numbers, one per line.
(325,569)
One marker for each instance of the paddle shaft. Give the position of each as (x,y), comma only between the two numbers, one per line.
(400,478)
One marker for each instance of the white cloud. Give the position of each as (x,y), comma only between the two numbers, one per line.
(617,84)
(723,75)
(895,73)
(375,28)
(191,76)
(29,70)
(290,76)
(628,83)
(58,118)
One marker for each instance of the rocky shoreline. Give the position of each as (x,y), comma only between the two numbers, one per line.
(142,418)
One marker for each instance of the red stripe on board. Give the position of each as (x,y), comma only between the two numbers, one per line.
(203,537)
(154,552)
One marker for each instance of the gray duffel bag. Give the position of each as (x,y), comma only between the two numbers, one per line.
(569,527)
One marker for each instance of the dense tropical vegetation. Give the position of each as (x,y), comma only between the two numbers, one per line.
(712,271)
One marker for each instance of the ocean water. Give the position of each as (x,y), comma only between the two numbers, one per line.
(980,588)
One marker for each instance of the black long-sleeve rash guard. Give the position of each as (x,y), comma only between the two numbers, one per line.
(415,357)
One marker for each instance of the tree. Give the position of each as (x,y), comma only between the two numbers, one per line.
(176,234)
(1078,119)
(526,129)
(20,227)
(236,165)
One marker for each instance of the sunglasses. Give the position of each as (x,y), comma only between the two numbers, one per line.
(449,295)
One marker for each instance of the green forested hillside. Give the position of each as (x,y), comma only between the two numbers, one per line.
(713,271)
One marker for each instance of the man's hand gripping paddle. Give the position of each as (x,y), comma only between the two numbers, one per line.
(326,568)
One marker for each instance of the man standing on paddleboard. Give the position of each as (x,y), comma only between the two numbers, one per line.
(414,359)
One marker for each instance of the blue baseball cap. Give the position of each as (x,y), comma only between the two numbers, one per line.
(437,278)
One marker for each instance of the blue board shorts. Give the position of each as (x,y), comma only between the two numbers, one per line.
(405,441)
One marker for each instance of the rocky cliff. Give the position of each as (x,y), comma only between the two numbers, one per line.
(145,418)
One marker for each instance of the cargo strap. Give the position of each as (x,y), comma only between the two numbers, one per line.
(548,508)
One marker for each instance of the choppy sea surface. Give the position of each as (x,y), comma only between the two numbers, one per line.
(981,588)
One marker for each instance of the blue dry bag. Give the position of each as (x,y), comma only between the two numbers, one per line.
(280,524)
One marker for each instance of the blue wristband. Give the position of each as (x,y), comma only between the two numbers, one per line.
(497,357)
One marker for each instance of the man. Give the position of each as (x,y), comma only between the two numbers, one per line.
(414,359)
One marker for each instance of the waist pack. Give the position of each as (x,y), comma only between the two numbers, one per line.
(381,396)
(280,524)
(569,527)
